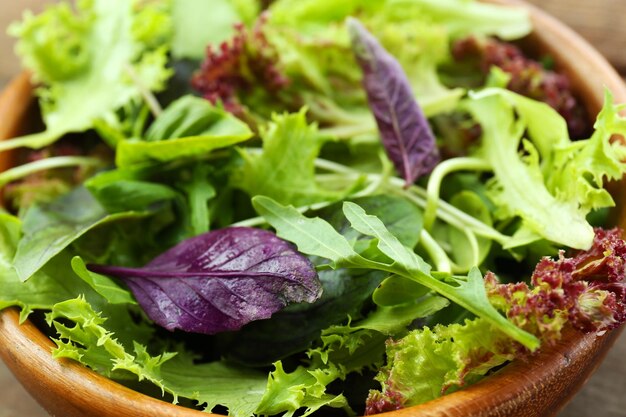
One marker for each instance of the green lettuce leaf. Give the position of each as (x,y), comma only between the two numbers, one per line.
(580,168)
(91,61)
(285,169)
(288,392)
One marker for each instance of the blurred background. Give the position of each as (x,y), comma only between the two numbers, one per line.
(601,22)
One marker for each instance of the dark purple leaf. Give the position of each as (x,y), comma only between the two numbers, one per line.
(406,134)
(221,280)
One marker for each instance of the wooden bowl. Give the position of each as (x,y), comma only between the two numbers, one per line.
(540,386)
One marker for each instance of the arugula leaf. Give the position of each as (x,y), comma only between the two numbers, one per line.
(50,228)
(317,237)
(92,62)
(387,243)
(188,127)
(312,236)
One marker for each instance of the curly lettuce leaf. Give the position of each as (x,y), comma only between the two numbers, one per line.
(428,363)
(91,61)
(553,183)
(288,392)
(518,188)
(89,341)
(581,168)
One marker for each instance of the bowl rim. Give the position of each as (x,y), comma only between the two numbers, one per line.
(559,370)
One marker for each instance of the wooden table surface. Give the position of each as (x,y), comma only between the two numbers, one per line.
(602,22)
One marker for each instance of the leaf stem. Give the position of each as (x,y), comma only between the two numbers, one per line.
(445,211)
(149,98)
(435,251)
(22,171)
(436,178)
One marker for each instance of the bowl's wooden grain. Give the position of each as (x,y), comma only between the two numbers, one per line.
(536,387)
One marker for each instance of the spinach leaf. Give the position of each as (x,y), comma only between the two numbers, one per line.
(103,285)
(189,127)
(50,228)
(51,284)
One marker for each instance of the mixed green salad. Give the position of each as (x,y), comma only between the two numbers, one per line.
(293,207)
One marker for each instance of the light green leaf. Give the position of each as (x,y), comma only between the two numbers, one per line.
(285,170)
(394,320)
(198,23)
(89,342)
(580,168)
(396,289)
(103,285)
(303,388)
(518,188)
(92,62)
(427,363)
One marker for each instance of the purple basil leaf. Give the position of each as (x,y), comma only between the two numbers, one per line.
(221,280)
(406,134)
